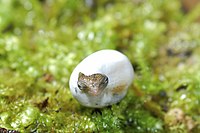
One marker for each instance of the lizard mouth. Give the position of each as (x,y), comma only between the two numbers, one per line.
(95,92)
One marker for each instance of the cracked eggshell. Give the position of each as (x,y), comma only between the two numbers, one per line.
(115,65)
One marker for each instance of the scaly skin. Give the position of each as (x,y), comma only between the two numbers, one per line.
(93,84)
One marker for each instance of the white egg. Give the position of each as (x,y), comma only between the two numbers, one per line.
(101,79)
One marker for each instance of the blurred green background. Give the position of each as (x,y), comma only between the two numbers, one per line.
(41,41)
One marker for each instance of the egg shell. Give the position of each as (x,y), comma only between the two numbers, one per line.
(115,65)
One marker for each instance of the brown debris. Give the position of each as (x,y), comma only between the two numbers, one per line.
(176,116)
(118,89)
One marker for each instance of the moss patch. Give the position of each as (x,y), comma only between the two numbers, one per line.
(42,41)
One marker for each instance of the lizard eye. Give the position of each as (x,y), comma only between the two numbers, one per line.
(104,82)
(81,86)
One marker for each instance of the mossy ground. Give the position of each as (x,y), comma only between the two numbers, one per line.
(41,41)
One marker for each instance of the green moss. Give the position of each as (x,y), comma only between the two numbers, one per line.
(42,41)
